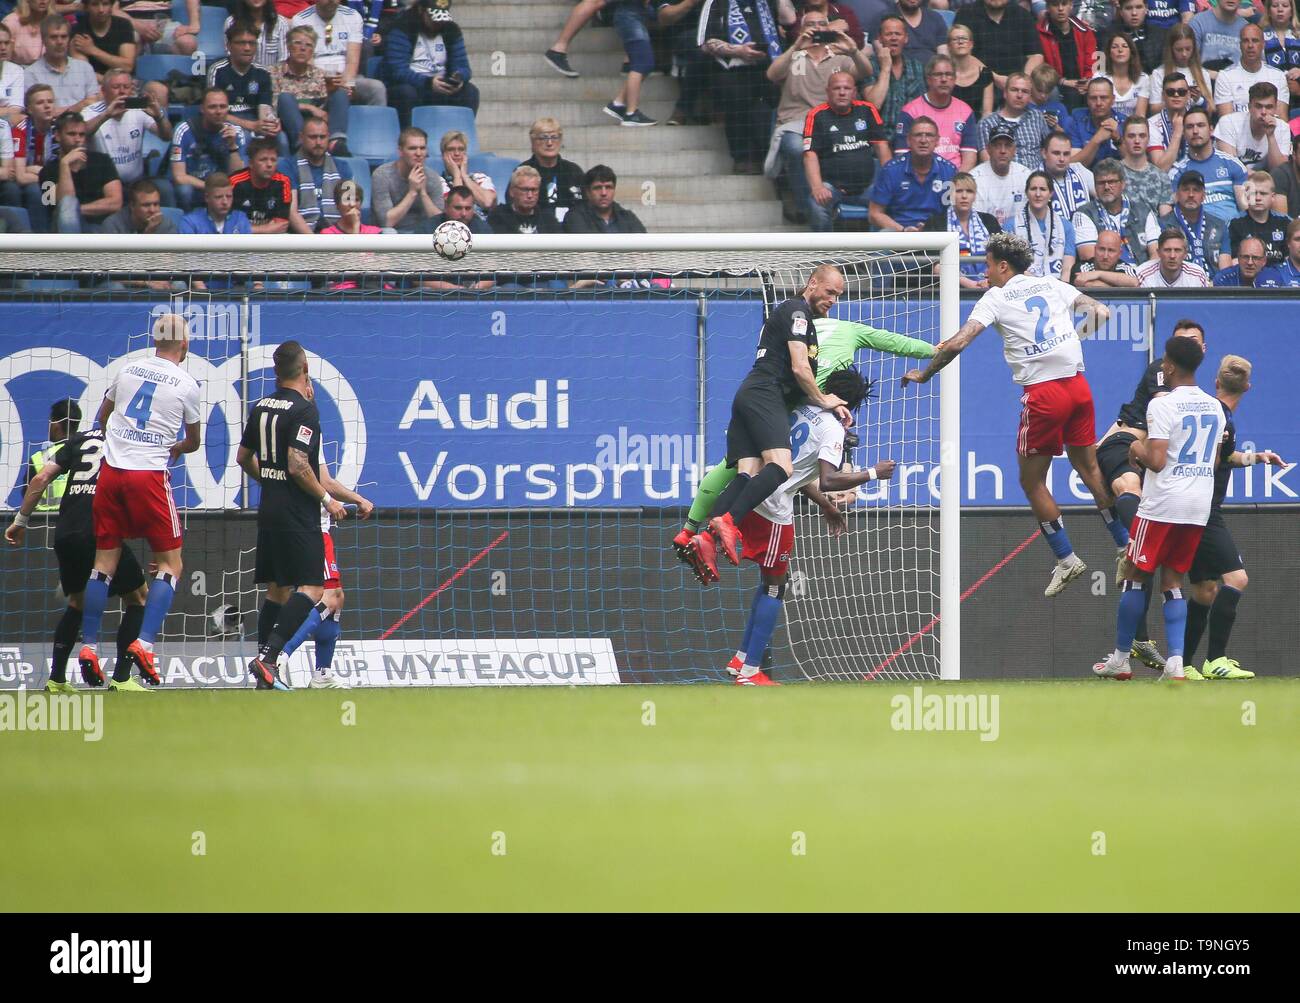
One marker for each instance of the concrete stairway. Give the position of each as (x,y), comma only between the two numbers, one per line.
(673,177)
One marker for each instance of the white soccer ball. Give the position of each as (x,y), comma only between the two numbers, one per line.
(452,240)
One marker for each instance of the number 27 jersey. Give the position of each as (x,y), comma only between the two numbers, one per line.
(1193,423)
(1035,317)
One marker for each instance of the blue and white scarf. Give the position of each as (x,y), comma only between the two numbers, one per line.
(1046,237)
(1067,200)
(738,28)
(971,247)
(1195,238)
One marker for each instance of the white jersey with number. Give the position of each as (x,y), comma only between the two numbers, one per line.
(1193,423)
(153,400)
(815,435)
(1035,317)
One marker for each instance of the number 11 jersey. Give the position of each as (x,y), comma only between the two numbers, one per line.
(283,421)
(1035,317)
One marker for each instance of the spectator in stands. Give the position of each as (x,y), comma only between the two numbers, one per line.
(1205,235)
(261,192)
(205,144)
(1048,231)
(1282,39)
(11,78)
(339,34)
(557,55)
(1218,34)
(425,61)
(1289,270)
(519,212)
(1258,136)
(1106,269)
(1225,177)
(74,82)
(926,31)
(900,78)
(561,179)
(1286,182)
(1005,37)
(349,221)
(1123,68)
(1143,180)
(955,118)
(682,22)
(248,87)
(1069,47)
(218,214)
(142,213)
(460,207)
(315,176)
(840,17)
(1181,56)
(9,194)
(24,24)
(1167,143)
(1095,130)
(155,29)
(742,38)
(118,131)
(86,187)
(301,90)
(844,142)
(103,39)
(1072,183)
(454,147)
(974,79)
(599,213)
(801,93)
(631,22)
(1260,221)
(973,228)
(34,147)
(1027,126)
(269,29)
(913,186)
(1148,39)
(404,193)
(1112,209)
(1252,270)
(1232,85)
(1042,85)
(1000,180)
(1170,269)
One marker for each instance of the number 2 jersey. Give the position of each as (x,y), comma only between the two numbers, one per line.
(815,435)
(1193,422)
(153,400)
(285,420)
(1035,317)
(80,456)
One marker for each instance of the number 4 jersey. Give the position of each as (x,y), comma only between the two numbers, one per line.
(153,399)
(1193,423)
(283,421)
(1035,317)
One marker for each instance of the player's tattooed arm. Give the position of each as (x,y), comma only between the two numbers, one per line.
(304,477)
(944,353)
(1094,318)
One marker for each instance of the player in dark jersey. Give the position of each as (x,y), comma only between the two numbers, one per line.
(1125,480)
(1218,575)
(280,449)
(758,436)
(74,546)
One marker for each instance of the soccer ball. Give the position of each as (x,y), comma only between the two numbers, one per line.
(452,240)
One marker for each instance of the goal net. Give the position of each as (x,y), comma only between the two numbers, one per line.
(530,422)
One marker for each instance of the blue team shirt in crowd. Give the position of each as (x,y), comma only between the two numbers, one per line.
(1288,275)
(1268,277)
(200,222)
(906,199)
(1080,128)
(1221,173)
(203,152)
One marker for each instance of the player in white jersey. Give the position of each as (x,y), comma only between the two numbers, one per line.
(767,532)
(1184,430)
(148,403)
(1035,317)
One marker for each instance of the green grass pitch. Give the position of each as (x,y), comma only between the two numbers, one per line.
(701,810)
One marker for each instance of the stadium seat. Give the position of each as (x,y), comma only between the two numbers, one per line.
(852,212)
(174,214)
(48,285)
(212,32)
(438,120)
(948,16)
(361,173)
(17,218)
(372,133)
(151,67)
(497,168)
(180,12)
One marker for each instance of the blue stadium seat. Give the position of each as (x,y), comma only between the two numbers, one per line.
(180,12)
(372,133)
(948,16)
(438,120)
(48,285)
(853,212)
(212,31)
(150,67)
(361,173)
(287,286)
(497,168)
(17,218)
(174,214)
(374,67)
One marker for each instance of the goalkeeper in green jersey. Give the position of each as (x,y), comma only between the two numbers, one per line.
(838,342)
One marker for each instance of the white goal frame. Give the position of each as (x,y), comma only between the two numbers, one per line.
(943,244)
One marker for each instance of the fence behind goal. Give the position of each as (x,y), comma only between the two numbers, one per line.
(531,423)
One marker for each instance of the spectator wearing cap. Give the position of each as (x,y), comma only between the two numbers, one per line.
(844,141)
(1005,38)
(314,176)
(142,213)
(103,39)
(742,37)
(901,78)
(561,179)
(1069,47)
(973,229)
(599,213)
(1170,269)
(34,146)
(1206,235)
(300,90)
(519,212)
(1095,129)
(1106,269)
(954,117)
(425,61)
(340,32)
(1000,179)
(74,82)
(912,187)
(1143,180)
(1112,209)
(205,144)
(1260,221)
(218,215)
(1252,270)
(1258,136)
(1224,176)
(1025,125)
(86,187)
(405,194)
(926,30)
(1286,182)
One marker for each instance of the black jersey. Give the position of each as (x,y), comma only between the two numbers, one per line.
(1223,472)
(791,321)
(283,421)
(1134,413)
(80,456)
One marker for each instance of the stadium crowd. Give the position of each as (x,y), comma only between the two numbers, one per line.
(1132,142)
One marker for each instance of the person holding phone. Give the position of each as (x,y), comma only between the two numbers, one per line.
(425,61)
(116,126)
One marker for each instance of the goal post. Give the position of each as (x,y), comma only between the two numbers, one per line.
(636,342)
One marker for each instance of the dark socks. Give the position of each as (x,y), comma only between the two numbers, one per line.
(729,494)
(295,611)
(1127,507)
(266,618)
(1223,614)
(127,631)
(1197,616)
(760,487)
(65,638)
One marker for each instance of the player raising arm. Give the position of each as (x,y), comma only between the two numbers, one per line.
(1035,317)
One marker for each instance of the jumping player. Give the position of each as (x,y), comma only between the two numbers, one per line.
(1218,575)
(1035,317)
(838,342)
(758,435)
(133,497)
(767,533)
(1184,430)
(77,460)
